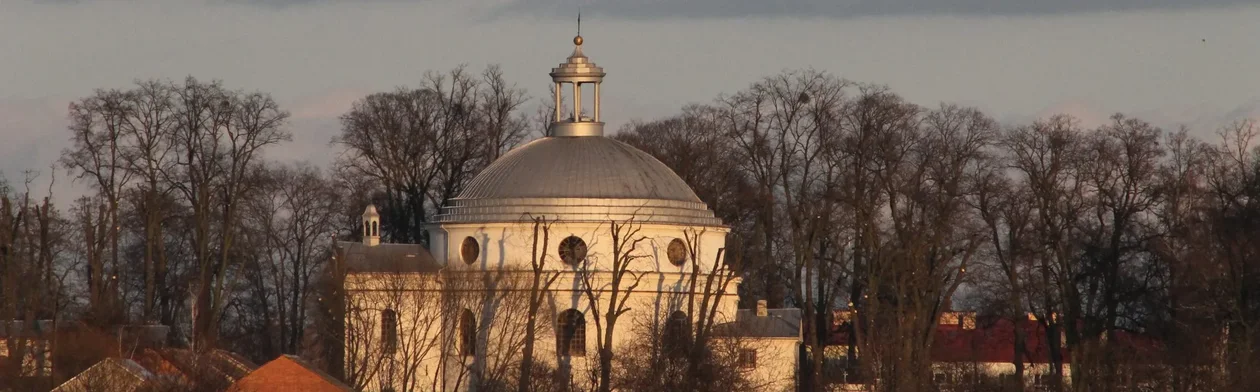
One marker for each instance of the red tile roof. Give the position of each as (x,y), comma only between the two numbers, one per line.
(288,373)
(995,342)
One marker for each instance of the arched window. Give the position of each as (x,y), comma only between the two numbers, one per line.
(376,228)
(367,229)
(677,334)
(571,333)
(389,331)
(467,333)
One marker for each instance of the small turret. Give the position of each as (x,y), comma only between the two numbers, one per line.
(371,226)
(577,70)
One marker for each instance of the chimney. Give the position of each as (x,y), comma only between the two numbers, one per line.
(761,308)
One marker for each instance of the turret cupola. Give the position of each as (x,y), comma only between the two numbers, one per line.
(577,71)
(371,226)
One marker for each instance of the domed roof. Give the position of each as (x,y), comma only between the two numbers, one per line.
(577,174)
(589,167)
(578,179)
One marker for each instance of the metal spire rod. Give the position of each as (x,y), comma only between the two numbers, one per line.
(579,20)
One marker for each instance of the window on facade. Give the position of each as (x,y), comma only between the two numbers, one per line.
(571,333)
(467,333)
(367,228)
(572,250)
(469,250)
(747,358)
(677,252)
(677,332)
(376,228)
(938,378)
(389,331)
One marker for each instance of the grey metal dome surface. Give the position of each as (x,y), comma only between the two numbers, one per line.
(578,179)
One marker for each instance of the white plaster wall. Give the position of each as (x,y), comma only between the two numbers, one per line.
(509,245)
(417,301)
(504,265)
(776,364)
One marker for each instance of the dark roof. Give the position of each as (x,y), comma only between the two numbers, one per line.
(218,366)
(114,374)
(777,323)
(231,364)
(386,258)
(20,328)
(289,373)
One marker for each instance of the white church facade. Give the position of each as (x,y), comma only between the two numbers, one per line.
(590,225)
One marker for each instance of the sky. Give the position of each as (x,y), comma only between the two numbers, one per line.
(1174,63)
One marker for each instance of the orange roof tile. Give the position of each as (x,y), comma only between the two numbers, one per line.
(288,373)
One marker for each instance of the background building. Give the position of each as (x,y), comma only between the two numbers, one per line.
(559,233)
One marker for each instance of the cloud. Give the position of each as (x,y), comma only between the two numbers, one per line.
(1201,121)
(726,9)
(327,105)
(32,135)
(841,9)
(1089,117)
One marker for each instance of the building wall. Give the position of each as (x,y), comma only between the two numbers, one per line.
(776,366)
(509,245)
(495,289)
(428,314)
(416,300)
(36,358)
(957,373)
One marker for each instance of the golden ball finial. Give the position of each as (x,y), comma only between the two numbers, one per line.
(577,40)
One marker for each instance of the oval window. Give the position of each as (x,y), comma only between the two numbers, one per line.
(469,250)
(677,252)
(572,250)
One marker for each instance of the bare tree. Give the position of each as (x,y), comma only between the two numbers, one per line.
(1007,214)
(219,136)
(500,108)
(608,298)
(1120,172)
(1046,157)
(98,154)
(540,284)
(1233,208)
(33,235)
(287,225)
(423,145)
(149,124)
(394,330)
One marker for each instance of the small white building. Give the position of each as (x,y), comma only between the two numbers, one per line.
(597,217)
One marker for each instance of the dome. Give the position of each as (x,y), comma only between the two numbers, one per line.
(590,178)
(577,174)
(588,167)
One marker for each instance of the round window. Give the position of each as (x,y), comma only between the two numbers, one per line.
(469,250)
(677,252)
(572,250)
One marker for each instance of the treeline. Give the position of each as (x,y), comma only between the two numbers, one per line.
(840,195)
(845,196)
(188,224)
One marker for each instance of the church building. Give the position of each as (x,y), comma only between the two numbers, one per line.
(568,229)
